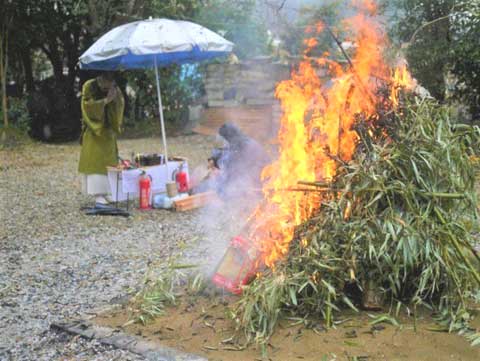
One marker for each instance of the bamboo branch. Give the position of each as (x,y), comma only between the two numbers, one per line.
(355,74)
(458,248)
(423,26)
(3,72)
(314,184)
(307,189)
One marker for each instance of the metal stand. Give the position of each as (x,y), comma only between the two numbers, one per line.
(160,111)
(116,192)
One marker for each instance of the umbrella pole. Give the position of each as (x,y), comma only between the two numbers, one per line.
(162,122)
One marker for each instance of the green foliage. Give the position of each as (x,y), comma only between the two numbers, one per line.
(158,296)
(62,30)
(329,14)
(466,66)
(412,210)
(237,22)
(181,86)
(441,36)
(262,303)
(430,53)
(18,115)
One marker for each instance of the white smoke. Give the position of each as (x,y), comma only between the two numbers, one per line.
(239,190)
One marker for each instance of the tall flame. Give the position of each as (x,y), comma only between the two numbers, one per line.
(316,126)
(401,78)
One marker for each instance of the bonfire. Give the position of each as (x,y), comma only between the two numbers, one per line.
(371,201)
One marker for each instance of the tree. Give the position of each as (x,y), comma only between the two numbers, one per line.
(3,71)
(61,30)
(235,20)
(429,52)
(5,24)
(441,37)
(238,22)
(466,56)
(54,28)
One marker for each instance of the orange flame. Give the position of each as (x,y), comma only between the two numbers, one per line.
(401,78)
(316,127)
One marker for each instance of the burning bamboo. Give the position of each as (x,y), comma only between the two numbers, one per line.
(314,184)
(404,194)
(350,63)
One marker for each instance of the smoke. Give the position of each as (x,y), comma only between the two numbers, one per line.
(238,186)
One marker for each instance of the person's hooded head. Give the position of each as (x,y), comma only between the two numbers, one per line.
(106,80)
(232,134)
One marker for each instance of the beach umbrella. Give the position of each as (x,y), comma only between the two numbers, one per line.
(154,43)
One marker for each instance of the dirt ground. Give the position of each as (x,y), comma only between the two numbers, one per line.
(203,327)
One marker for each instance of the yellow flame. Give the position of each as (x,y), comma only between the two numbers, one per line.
(316,127)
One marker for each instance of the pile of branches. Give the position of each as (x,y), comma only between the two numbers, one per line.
(399,222)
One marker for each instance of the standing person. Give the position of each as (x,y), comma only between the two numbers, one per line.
(102,117)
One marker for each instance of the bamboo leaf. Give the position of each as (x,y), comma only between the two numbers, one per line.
(293,296)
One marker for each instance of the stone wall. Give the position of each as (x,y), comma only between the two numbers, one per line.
(247,83)
(242,93)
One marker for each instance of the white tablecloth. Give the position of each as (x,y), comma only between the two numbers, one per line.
(127,180)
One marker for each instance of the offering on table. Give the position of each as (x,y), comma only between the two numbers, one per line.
(149,159)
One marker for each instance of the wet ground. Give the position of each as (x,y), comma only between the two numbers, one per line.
(202,326)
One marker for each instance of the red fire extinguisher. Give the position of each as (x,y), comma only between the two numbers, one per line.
(145,193)
(181,178)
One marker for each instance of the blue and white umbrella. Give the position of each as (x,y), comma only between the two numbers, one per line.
(154,43)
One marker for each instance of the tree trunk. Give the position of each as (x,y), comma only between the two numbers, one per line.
(53,56)
(3,74)
(53,53)
(92,12)
(57,64)
(71,45)
(27,69)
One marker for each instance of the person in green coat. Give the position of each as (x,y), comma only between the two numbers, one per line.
(102,116)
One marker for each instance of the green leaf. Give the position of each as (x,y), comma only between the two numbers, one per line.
(293,296)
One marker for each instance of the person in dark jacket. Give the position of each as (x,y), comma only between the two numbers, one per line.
(236,168)
(241,162)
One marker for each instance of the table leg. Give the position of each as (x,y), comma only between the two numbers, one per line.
(116,191)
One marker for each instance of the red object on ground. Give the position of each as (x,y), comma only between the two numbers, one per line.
(238,266)
(145,193)
(181,178)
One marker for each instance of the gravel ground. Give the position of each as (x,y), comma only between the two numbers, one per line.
(57,263)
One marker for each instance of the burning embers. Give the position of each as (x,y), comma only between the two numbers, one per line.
(316,130)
